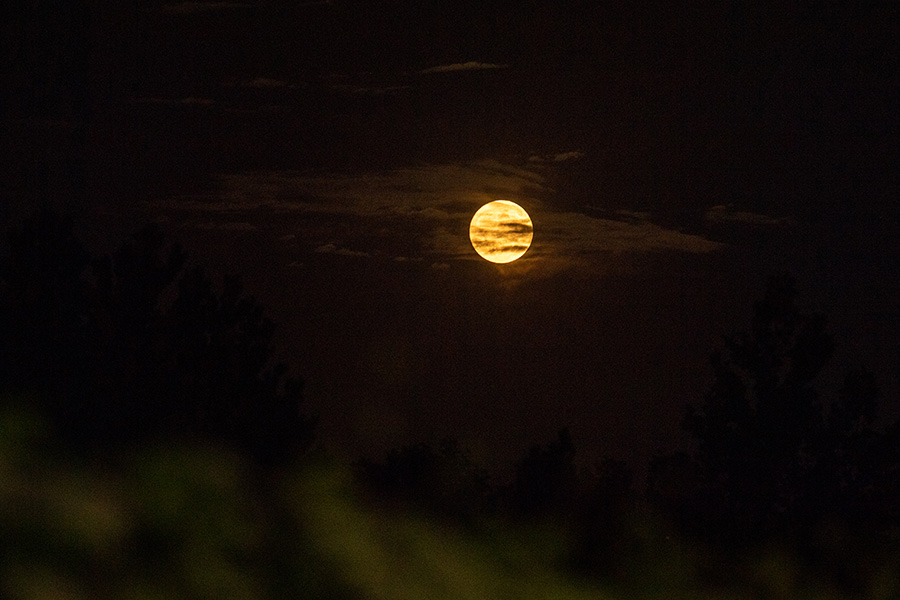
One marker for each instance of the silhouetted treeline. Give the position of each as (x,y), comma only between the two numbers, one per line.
(774,458)
(775,465)
(594,508)
(776,462)
(132,347)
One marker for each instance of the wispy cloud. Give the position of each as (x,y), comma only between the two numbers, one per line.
(227,226)
(555,158)
(466,66)
(407,215)
(188,101)
(571,238)
(436,192)
(362,90)
(727,214)
(265,83)
(331,248)
(186,8)
(576,234)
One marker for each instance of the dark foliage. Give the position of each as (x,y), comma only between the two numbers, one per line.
(131,347)
(775,462)
(758,426)
(546,479)
(444,482)
(594,510)
(602,529)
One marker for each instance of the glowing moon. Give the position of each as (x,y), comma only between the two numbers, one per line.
(501,231)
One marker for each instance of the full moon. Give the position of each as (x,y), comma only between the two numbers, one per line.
(501,231)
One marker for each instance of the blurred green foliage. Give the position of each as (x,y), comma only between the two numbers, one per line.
(204,522)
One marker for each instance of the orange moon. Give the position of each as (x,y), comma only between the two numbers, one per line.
(501,231)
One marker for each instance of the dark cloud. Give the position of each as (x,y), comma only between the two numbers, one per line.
(466,66)
(727,214)
(427,210)
(493,247)
(360,90)
(187,8)
(265,83)
(188,101)
(333,249)
(555,158)
(227,226)
(515,228)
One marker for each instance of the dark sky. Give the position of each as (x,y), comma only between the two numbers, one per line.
(332,154)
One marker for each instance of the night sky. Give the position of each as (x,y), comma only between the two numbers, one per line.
(333,153)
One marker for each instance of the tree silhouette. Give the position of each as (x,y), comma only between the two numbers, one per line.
(759,423)
(856,479)
(131,347)
(601,530)
(772,459)
(681,495)
(43,305)
(444,482)
(546,482)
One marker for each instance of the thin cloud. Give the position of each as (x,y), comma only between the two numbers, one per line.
(556,158)
(188,101)
(435,192)
(520,228)
(426,211)
(227,226)
(564,156)
(726,214)
(333,249)
(360,90)
(265,83)
(348,252)
(466,66)
(430,213)
(633,215)
(188,8)
(450,243)
(577,239)
(576,234)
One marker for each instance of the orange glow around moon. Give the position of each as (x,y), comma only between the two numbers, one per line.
(501,231)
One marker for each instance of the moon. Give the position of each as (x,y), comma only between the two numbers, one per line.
(501,231)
